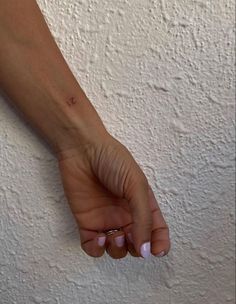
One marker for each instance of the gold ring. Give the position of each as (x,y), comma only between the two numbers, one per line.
(111,231)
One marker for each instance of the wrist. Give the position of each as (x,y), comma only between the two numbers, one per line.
(80,138)
(79,124)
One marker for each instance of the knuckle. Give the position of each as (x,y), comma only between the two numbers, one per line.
(95,254)
(118,256)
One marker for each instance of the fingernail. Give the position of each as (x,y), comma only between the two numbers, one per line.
(130,237)
(146,250)
(161,254)
(101,240)
(120,240)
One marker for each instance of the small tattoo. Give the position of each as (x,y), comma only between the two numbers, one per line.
(71,101)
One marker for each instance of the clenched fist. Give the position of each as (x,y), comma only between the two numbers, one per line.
(106,189)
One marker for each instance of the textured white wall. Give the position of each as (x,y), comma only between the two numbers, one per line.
(160,73)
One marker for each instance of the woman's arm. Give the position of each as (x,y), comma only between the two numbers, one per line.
(36,77)
(105,187)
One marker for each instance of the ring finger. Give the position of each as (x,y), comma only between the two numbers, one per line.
(116,245)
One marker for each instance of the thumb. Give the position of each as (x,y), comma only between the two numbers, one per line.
(137,196)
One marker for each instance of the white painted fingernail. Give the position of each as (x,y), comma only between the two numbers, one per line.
(146,250)
(101,240)
(130,237)
(120,241)
(161,254)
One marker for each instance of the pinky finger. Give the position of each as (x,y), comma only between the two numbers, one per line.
(94,246)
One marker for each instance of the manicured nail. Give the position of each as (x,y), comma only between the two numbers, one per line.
(146,250)
(101,240)
(130,237)
(120,241)
(161,254)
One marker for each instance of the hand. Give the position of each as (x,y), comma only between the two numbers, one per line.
(106,189)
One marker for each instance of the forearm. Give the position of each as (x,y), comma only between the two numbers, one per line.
(34,74)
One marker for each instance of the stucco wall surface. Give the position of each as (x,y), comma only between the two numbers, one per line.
(161,75)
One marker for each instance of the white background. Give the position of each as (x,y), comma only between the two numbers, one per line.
(161,76)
